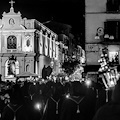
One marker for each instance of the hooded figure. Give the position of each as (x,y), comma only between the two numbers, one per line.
(44,72)
(111,110)
(49,71)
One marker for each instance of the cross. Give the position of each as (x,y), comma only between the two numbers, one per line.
(11,2)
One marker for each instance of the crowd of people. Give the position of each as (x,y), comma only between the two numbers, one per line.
(44,100)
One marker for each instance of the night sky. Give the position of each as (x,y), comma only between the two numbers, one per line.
(69,12)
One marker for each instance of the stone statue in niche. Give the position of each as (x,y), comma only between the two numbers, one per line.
(11,66)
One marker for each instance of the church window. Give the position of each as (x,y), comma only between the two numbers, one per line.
(112,28)
(11,42)
(113,5)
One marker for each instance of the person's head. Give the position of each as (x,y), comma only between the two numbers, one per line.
(45,66)
(116,92)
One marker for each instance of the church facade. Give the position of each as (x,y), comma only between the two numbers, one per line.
(26,45)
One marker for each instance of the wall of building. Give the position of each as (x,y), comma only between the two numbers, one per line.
(95,17)
(93,22)
(95,5)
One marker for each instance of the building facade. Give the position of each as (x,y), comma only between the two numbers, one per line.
(102,26)
(26,45)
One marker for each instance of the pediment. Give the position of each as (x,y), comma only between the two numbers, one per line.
(12,20)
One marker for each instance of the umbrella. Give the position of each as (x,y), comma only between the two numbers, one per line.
(26,74)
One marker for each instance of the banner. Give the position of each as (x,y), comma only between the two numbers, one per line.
(46,46)
(56,51)
(50,48)
(53,49)
(43,39)
(40,43)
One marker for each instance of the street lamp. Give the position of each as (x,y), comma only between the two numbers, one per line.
(100,34)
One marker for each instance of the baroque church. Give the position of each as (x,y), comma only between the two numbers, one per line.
(26,45)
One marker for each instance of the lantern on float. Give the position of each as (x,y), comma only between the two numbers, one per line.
(109,73)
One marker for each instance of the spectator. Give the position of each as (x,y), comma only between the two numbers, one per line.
(111,110)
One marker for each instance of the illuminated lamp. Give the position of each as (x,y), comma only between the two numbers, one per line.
(111,37)
(60,78)
(55,58)
(106,55)
(66,78)
(106,67)
(99,60)
(97,37)
(112,84)
(73,56)
(88,82)
(82,60)
(34,83)
(54,78)
(100,70)
(43,80)
(109,80)
(117,75)
(67,96)
(106,36)
(102,55)
(38,106)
